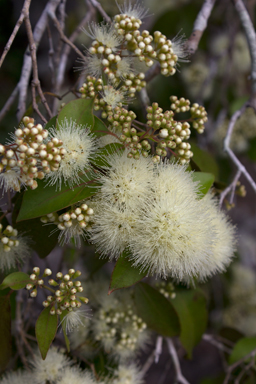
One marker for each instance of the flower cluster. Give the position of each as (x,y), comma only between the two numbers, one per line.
(60,369)
(167,289)
(35,153)
(65,293)
(116,327)
(13,247)
(72,224)
(157,214)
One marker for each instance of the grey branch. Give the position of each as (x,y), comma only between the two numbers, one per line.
(27,62)
(179,376)
(251,38)
(97,5)
(200,25)
(24,11)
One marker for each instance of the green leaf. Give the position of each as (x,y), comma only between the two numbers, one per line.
(64,313)
(99,128)
(124,275)
(44,200)
(204,160)
(79,110)
(5,332)
(51,123)
(206,180)
(15,280)
(157,312)
(252,149)
(190,306)
(46,328)
(36,231)
(242,348)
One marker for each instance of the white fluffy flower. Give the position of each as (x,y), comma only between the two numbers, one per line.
(11,180)
(18,251)
(124,67)
(224,244)
(17,377)
(51,369)
(179,47)
(76,376)
(127,374)
(112,229)
(75,319)
(109,139)
(91,65)
(127,181)
(79,145)
(173,238)
(105,34)
(133,10)
(113,97)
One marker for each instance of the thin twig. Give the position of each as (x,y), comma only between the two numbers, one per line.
(200,25)
(227,148)
(62,35)
(154,356)
(179,376)
(158,350)
(51,54)
(231,188)
(210,339)
(251,38)
(237,363)
(24,11)
(35,82)
(27,61)
(97,5)
(243,372)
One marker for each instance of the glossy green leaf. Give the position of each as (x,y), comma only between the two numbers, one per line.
(157,312)
(124,275)
(205,179)
(5,332)
(51,123)
(191,308)
(46,328)
(36,231)
(15,280)
(204,160)
(46,199)
(242,348)
(252,149)
(64,313)
(79,110)
(99,128)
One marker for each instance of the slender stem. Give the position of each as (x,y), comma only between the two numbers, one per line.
(179,376)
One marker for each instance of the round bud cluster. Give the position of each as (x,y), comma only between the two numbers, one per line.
(240,189)
(28,156)
(199,117)
(64,290)
(72,223)
(165,55)
(120,118)
(134,83)
(166,289)
(8,238)
(125,25)
(122,328)
(140,45)
(91,87)
(37,281)
(157,119)
(179,105)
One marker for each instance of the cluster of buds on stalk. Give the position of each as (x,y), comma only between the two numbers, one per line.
(72,223)
(8,237)
(64,290)
(167,289)
(29,156)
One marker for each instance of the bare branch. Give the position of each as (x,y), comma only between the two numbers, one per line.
(158,350)
(27,61)
(179,376)
(200,25)
(62,35)
(210,339)
(97,5)
(24,11)
(251,38)
(237,363)
(231,188)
